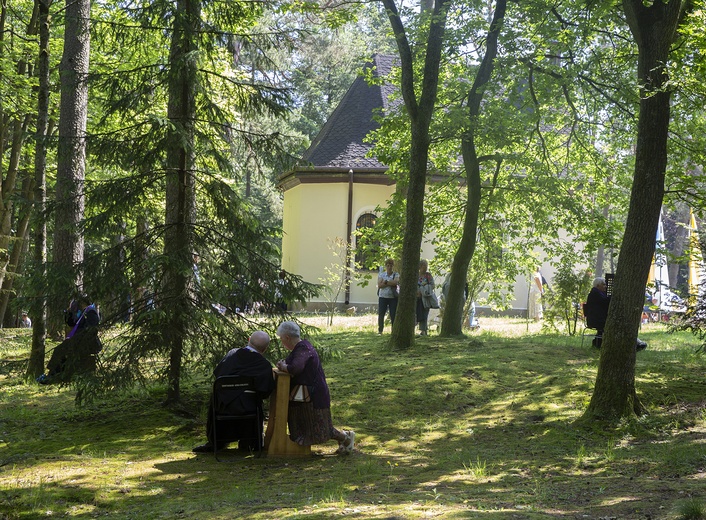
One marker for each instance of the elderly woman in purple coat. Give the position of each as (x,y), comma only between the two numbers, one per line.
(309,422)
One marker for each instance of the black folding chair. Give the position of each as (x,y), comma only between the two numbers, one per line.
(237,413)
(588,325)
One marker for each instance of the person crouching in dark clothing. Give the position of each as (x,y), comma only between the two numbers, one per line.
(77,353)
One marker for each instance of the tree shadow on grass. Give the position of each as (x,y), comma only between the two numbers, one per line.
(454,429)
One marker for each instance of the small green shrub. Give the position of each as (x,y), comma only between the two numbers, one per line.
(562,301)
(692,509)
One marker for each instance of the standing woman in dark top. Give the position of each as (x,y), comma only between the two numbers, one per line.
(309,423)
(424,284)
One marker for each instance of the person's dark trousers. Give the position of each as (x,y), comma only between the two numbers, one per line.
(598,342)
(598,339)
(422,316)
(383,305)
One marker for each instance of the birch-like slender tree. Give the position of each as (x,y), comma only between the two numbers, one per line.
(453,313)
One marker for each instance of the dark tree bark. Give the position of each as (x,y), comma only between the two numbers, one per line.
(654,29)
(19,249)
(7,191)
(35,366)
(420,112)
(452,324)
(12,232)
(180,187)
(71,156)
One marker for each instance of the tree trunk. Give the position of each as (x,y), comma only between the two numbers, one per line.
(452,323)
(420,113)
(71,157)
(3,18)
(654,29)
(35,366)
(403,329)
(180,187)
(19,131)
(19,249)
(20,124)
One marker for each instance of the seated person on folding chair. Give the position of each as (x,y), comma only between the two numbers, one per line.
(246,361)
(596,309)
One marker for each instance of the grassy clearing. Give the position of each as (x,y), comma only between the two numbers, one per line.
(479,427)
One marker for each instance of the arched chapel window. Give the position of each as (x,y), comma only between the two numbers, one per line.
(364,254)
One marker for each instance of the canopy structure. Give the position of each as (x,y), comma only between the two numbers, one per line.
(659,273)
(667,301)
(696,271)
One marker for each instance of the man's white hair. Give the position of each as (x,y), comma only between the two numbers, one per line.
(598,280)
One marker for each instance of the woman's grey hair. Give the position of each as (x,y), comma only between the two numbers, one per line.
(289,328)
(598,281)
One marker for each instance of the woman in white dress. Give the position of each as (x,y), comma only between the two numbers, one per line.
(535,296)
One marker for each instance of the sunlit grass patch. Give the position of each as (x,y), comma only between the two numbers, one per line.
(481,425)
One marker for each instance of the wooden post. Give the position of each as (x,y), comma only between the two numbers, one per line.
(277,441)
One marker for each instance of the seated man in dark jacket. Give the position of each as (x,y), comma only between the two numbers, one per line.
(596,309)
(246,361)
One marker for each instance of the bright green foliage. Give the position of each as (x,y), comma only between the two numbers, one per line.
(553,137)
(687,149)
(562,300)
(18,107)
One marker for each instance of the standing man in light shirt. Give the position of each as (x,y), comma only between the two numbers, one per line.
(388,282)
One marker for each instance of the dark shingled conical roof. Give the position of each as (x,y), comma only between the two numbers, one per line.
(340,144)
